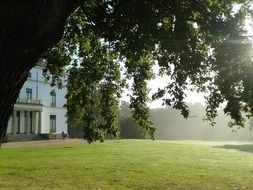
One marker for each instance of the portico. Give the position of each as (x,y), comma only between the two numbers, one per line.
(26,118)
(26,122)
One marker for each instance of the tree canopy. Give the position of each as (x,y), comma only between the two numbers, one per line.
(199,43)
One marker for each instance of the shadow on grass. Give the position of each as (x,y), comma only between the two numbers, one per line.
(241,147)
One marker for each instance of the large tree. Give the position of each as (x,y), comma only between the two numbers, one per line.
(198,43)
(28,29)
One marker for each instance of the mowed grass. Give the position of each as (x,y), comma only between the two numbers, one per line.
(128,164)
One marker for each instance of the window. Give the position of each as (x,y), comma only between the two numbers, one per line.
(29,93)
(52,124)
(53,103)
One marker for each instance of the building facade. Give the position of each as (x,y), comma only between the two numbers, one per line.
(39,112)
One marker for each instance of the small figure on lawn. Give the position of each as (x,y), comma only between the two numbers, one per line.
(65,136)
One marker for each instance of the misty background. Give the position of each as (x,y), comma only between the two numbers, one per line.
(172,126)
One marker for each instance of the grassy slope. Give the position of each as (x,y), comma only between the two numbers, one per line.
(128,164)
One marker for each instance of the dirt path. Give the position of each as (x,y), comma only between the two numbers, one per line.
(44,143)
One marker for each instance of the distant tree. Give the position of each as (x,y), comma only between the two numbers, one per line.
(251,124)
(199,43)
(125,110)
(129,129)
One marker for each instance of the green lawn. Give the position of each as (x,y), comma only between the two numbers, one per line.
(128,164)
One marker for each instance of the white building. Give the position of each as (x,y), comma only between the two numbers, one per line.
(38,113)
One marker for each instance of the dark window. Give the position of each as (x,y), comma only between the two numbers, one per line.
(29,93)
(31,122)
(18,122)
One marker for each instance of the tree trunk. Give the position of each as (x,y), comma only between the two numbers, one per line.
(11,80)
(28,29)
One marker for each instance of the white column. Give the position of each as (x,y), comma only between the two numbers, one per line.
(27,123)
(22,121)
(39,123)
(36,122)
